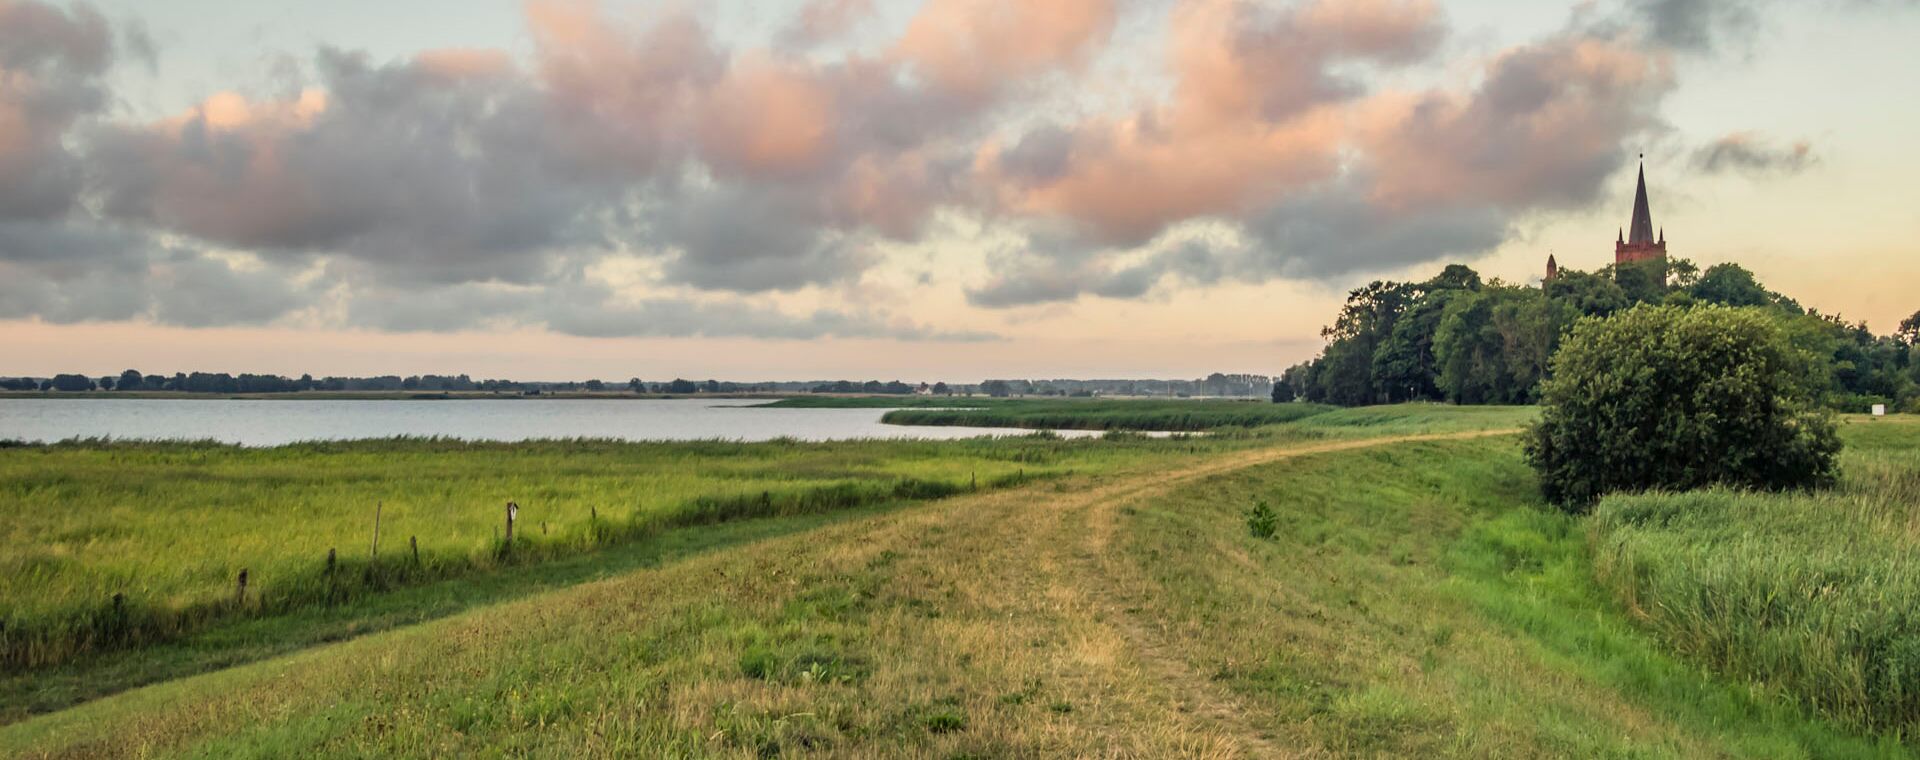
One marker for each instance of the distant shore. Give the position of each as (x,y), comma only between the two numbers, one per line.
(381,395)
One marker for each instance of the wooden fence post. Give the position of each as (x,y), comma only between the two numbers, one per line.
(513,510)
(240,589)
(330,562)
(374,553)
(414,542)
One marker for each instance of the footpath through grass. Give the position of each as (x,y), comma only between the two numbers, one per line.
(1813,598)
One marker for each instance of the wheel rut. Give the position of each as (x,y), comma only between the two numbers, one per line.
(1089,524)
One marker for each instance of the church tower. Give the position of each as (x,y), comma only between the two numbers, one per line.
(1637,243)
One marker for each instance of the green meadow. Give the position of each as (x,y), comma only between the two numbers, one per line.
(118,544)
(1087,597)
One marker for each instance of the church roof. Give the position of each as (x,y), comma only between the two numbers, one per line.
(1641,231)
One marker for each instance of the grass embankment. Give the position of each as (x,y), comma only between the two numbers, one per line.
(1174,415)
(1813,597)
(1178,416)
(121,544)
(1415,601)
(1074,414)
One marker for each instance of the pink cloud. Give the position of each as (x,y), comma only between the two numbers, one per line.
(973,47)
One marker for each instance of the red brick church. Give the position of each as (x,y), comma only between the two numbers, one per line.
(1636,243)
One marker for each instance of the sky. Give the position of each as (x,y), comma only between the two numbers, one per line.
(941,190)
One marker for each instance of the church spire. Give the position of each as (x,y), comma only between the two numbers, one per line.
(1641,231)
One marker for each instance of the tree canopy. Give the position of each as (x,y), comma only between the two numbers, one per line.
(1456,338)
(1668,397)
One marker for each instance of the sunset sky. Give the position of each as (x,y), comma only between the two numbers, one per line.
(948,190)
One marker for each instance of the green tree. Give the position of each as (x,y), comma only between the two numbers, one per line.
(1733,285)
(1672,398)
(1593,295)
(69,383)
(130,380)
(1909,331)
(1485,349)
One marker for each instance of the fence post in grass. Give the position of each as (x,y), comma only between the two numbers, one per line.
(414,543)
(513,510)
(374,553)
(330,562)
(240,589)
(973,481)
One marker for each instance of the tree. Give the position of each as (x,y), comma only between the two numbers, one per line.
(680,386)
(1733,285)
(1673,398)
(69,383)
(1282,392)
(130,380)
(596,386)
(996,388)
(941,389)
(106,383)
(1591,294)
(1909,332)
(635,386)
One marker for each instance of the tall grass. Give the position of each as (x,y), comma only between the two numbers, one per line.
(115,545)
(1814,596)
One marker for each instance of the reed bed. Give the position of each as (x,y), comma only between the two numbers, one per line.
(1815,596)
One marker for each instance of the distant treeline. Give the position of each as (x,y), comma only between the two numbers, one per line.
(1458,339)
(221,382)
(1216,384)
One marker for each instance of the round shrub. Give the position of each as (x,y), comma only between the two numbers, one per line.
(1672,398)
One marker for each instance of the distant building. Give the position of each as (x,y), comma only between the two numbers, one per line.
(1637,242)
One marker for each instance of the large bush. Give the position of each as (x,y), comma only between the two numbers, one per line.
(1664,397)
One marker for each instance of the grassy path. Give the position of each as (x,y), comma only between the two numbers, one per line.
(1120,614)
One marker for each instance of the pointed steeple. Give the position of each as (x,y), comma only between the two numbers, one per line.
(1642,218)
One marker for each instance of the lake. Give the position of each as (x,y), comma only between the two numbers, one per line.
(260,422)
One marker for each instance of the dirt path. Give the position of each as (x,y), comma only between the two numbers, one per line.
(1111,583)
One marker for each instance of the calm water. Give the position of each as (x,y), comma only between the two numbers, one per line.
(270,423)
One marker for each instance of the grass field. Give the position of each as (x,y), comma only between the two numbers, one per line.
(123,543)
(1812,597)
(1414,600)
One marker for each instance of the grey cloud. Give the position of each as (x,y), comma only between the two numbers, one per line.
(1698,25)
(51,64)
(1328,235)
(821,21)
(429,178)
(84,271)
(1040,156)
(592,311)
(1747,152)
(748,239)
(1321,235)
(192,290)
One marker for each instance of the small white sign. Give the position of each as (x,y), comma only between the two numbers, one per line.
(1879,410)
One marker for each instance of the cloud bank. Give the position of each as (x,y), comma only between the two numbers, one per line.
(473,189)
